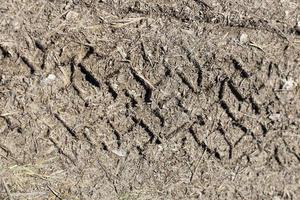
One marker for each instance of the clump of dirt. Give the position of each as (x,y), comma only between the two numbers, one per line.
(158,99)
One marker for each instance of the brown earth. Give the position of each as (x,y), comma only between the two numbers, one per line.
(150,99)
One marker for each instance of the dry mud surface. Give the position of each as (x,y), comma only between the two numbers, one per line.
(151,99)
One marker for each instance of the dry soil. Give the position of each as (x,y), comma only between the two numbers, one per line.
(149,99)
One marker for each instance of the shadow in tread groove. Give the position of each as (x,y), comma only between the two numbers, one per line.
(88,76)
(204,146)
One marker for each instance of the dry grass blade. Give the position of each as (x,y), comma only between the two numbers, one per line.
(125,22)
(6,189)
(7,114)
(54,192)
(5,149)
(27,170)
(147,82)
(256,46)
(32,195)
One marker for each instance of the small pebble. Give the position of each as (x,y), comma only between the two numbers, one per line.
(275,117)
(244,39)
(50,78)
(71,15)
(297,27)
(119,152)
(288,84)
(16,25)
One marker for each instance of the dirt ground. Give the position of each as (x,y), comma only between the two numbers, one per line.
(149,99)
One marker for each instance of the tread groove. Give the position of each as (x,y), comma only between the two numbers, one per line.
(88,76)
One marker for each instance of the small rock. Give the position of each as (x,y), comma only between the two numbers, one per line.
(119,152)
(288,84)
(49,79)
(71,15)
(244,39)
(275,117)
(16,25)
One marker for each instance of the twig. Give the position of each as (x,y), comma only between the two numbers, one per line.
(197,164)
(142,78)
(7,190)
(256,46)
(54,192)
(6,149)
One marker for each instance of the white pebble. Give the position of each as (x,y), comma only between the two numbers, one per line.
(119,152)
(50,78)
(275,117)
(244,39)
(288,84)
